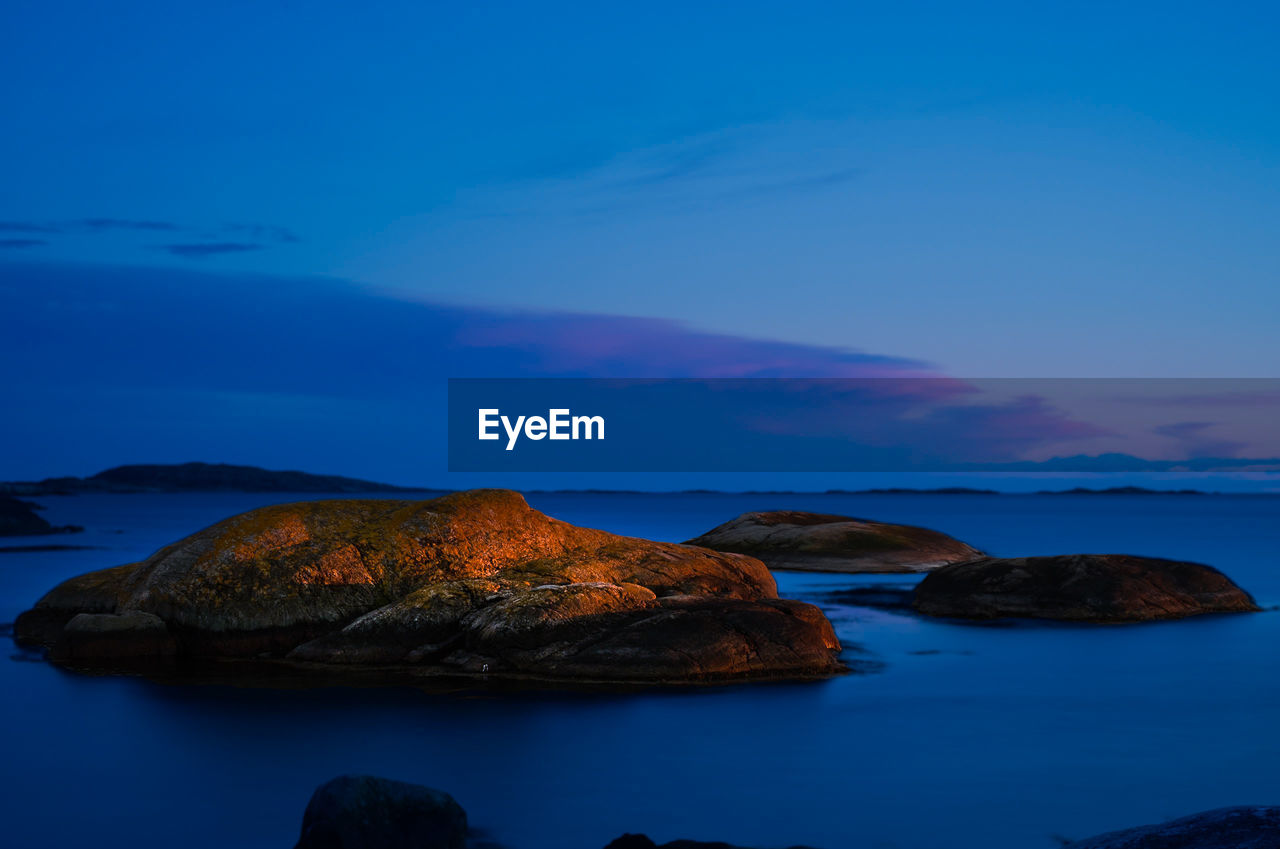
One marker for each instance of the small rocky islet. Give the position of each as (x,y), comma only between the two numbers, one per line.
(963,583)
(819,542)
(1102,588)
(473,583)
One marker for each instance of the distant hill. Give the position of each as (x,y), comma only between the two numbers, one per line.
(197,477)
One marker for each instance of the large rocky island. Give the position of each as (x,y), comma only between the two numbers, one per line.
(1079,587)
(473,583)
(817,542)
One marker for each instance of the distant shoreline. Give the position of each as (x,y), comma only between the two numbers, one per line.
(222,477)
(197,477)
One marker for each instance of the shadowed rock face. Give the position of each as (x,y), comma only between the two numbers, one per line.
(1224,828)
(471,582)
(816,542)
(1083,587)
(363,812)
(98,636)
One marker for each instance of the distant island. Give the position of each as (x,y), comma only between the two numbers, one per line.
(1122,490)
(18,518)
(197,477)
(224,477)
(899,490)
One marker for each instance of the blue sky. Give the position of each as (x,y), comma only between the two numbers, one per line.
(983,189)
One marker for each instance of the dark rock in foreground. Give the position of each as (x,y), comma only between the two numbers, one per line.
(816,542)
(1083,587)
(1225,828)
(640,841)
(18,518)
(471,583)
(363,812)
(197,477)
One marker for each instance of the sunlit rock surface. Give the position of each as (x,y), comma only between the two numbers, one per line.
(817,542)
(474,582)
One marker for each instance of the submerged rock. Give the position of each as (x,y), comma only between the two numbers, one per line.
(363,812)
(474,582)
(817,542)
(1224,828)
(1084,587)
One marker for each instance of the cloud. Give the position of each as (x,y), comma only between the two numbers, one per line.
(733,165)
(263,233)
(1197,440)
(100,224)
(250,237)
(1228,395)
(198,250)
(129,360)
(587,345)
(27,227)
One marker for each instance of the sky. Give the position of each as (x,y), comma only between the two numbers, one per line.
(974,190)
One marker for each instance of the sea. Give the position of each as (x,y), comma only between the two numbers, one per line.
(1007,735)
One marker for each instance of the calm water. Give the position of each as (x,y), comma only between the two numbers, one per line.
(965,737)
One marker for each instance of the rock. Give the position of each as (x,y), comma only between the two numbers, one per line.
(474,582)
(363,812)
(111,636)
(94,592)
(1084,587)
(18,518)
(816,542)
(1224,828)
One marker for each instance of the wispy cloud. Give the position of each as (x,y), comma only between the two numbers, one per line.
(622,346)
(234,237)
(1225,397)
(263,233)
(286,347)
(100,224)
(198,250)
(28,227)
(1199,441)
(728,166)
